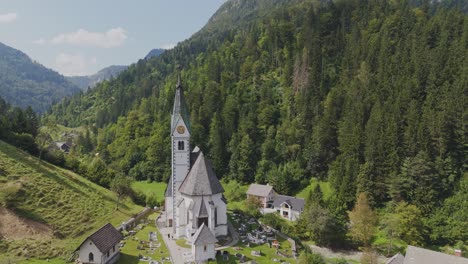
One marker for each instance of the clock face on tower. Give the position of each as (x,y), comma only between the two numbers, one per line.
(180,129)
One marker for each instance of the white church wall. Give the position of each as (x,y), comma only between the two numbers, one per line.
(168,208)
(89,247)
(203,253)
(181,220)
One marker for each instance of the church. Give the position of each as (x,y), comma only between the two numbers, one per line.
(194,196)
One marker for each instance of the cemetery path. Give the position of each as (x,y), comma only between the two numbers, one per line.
(178,254)
(346,254)
(235,237)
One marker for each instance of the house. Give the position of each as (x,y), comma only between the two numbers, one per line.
(203,245)
(101,247)
(288,207)
(194,203)
(62,146)
(264,193)
(417,255)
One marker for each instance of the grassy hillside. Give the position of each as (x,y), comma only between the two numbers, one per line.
(70,206)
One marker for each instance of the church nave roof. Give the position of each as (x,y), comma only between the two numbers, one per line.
(201,179)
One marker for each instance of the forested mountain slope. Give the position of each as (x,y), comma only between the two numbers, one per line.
(24,82)
(369,95)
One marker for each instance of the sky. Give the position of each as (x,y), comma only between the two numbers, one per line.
(83,36)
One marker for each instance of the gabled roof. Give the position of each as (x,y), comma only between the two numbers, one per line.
(194,154)
(180,109)
(203,236)
(203,212)
(297,204)
(104,238)
(259,190)
(201,179)
(417,255)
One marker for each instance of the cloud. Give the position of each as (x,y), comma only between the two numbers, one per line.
(40,41)
(8,18)
(73,64)
(168,46)
(112,38)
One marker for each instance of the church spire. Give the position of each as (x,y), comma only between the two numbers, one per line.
(178,81)
(180,109)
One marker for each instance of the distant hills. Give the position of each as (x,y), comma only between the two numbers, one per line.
(24,82)
(89,81)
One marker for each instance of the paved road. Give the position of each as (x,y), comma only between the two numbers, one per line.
(178,254)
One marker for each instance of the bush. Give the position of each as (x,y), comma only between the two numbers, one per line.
(273,220)
(151,200)
(23,141)
(8,194)
(56,157)
(310,258)
(138,198)
(252,206)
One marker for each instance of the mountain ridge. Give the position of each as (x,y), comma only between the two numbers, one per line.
(24,82)
(89,81)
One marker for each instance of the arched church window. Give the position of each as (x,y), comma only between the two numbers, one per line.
(204,248)
(216,216)
(181,145)
(91,257)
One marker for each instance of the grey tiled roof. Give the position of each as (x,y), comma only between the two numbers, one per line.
(259,190)
(203,236)
(417,255)
(397,259)
(169,188)
(201,179)
(297,204)
(105,238)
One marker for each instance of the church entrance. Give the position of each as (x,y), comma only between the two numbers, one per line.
(202,220)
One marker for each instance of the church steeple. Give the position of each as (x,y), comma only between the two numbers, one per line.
(180,109)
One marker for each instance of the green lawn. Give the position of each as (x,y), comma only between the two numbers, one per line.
(182,242)
(158,188)
(129,253)
(66,202)
(41,261)
(324,186)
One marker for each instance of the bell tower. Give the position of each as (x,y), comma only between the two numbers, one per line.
(180,134)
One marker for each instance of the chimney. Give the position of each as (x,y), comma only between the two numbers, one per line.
(458,252)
